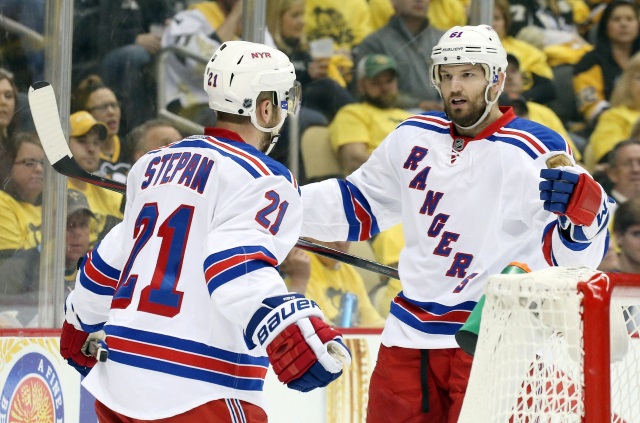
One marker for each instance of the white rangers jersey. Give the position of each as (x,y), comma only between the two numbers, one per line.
(206,223)
(469,207)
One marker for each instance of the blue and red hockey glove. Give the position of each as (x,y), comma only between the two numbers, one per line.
(304,351)
(579,201)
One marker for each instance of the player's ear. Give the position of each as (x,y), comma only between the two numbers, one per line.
(264,111)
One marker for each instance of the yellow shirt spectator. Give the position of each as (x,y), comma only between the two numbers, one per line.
(613,126)
(531,60)
(327,285)
(386,247)
(20,224)
(363,122)
(442,14)
(347,22)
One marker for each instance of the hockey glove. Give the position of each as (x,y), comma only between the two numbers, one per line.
(304,351)
(577,199)
(72,344)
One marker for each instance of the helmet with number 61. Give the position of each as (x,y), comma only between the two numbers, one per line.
(471,44)
(239,71)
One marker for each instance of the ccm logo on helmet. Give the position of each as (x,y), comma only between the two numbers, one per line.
(287,310)
(260,55)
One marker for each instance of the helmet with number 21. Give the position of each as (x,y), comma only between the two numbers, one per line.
(240,70)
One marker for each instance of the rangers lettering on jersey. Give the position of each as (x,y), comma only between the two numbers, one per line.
(461,261)
(190,170)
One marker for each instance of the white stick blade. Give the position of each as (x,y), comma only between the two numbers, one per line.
(44,110)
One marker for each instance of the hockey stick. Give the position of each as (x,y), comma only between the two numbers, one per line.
(44,109)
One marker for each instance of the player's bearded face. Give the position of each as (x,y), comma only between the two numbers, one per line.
(470,114)
(463,90)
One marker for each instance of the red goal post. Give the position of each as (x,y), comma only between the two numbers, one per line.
(557,345)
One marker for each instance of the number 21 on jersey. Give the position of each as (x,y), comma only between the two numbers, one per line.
(160,296)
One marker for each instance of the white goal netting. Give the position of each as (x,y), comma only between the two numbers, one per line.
(529,364)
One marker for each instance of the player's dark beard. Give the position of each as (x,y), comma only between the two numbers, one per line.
(468,118)
(382,101)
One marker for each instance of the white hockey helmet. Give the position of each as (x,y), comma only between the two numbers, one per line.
(471,44)
(240,70)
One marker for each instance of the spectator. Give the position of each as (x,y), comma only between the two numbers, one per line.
(21,195)
(347,23)
(597,71)
(616,123)
(626,227)
(360,127)
(8,98)
(8,123)
(442,14)
(151,135)
(78,239)
(200,29)
(95,97)
(621,178)
(329,281)
(85,137)
(536,74)
(21,272)
(408,38)
(624,170)
(513,95)
(285,22)
(387,246)
(114,38)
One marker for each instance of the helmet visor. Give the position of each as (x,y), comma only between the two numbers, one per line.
(292,98)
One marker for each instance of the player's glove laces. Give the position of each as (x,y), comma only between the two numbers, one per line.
(304,351)
(579,201)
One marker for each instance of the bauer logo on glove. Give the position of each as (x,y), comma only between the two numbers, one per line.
(304,351)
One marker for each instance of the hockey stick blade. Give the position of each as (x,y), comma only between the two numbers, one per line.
(44,110)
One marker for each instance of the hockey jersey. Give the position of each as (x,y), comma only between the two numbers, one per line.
(206,223)
(469,207)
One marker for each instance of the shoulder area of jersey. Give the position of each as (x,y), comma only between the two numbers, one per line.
(241,156)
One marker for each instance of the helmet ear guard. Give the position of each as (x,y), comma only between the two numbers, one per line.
(239,71)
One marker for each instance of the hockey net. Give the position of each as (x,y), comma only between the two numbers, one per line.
(557,345)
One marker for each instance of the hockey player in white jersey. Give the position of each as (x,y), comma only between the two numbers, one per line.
(476,188)
(186,288)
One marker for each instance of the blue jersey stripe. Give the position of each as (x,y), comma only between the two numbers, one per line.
(185,371)
(102,266)
(435,328)
(516,143)
(186,345)
(351,193)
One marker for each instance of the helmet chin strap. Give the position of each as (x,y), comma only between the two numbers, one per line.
(274,141)
(274,132)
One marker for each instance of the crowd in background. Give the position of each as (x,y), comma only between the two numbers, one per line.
(364,68)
